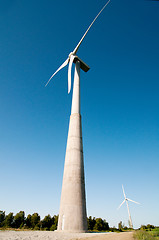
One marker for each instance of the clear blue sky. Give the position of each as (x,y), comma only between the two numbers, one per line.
(119,105)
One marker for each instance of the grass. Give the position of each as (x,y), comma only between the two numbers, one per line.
(147,235)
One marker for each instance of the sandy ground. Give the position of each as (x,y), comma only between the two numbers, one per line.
(47,235)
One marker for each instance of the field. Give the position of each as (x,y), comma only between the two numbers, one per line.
(147,235)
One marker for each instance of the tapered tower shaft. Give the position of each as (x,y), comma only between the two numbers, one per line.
(130,220)
(72,215)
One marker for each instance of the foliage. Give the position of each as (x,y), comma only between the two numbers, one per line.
(147,227)
(28,221)
(53,227)
(97,224)
(101,225)
(2,218)
(8,222)
(142,235)
(35,221)
(47,222)
(120,226)
(114,229)
(152,234)
(155,233)
(19,220)
(91,223)
(54,223)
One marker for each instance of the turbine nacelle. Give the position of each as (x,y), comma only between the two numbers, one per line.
(83,65)
(73,59)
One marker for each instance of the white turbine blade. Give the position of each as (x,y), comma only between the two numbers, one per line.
(123,191)
(121,204)
(132,201)
(76,48)
(69,72)
(62,66)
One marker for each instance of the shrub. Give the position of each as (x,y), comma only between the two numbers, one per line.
(53,227)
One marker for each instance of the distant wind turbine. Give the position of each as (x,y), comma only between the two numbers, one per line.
(126,200)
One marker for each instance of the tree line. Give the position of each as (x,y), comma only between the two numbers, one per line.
(33,221)
(49,223)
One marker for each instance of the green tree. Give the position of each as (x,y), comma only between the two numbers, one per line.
(54,222)
(2,218)
(149,227)
(8,222)
(47,222)
(19,219)
(98,225)
(143,227)
(91,223)
(120,226)
(28,221)
(105,225)
(35,221)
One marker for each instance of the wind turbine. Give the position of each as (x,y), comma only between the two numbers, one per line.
(72,214)
(126,200)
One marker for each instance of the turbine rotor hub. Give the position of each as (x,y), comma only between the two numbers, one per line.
(71,53)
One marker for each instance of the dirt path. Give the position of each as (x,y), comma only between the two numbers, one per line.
(49,235)
(109,236)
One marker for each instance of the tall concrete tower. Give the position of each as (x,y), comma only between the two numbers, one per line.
(72,215)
